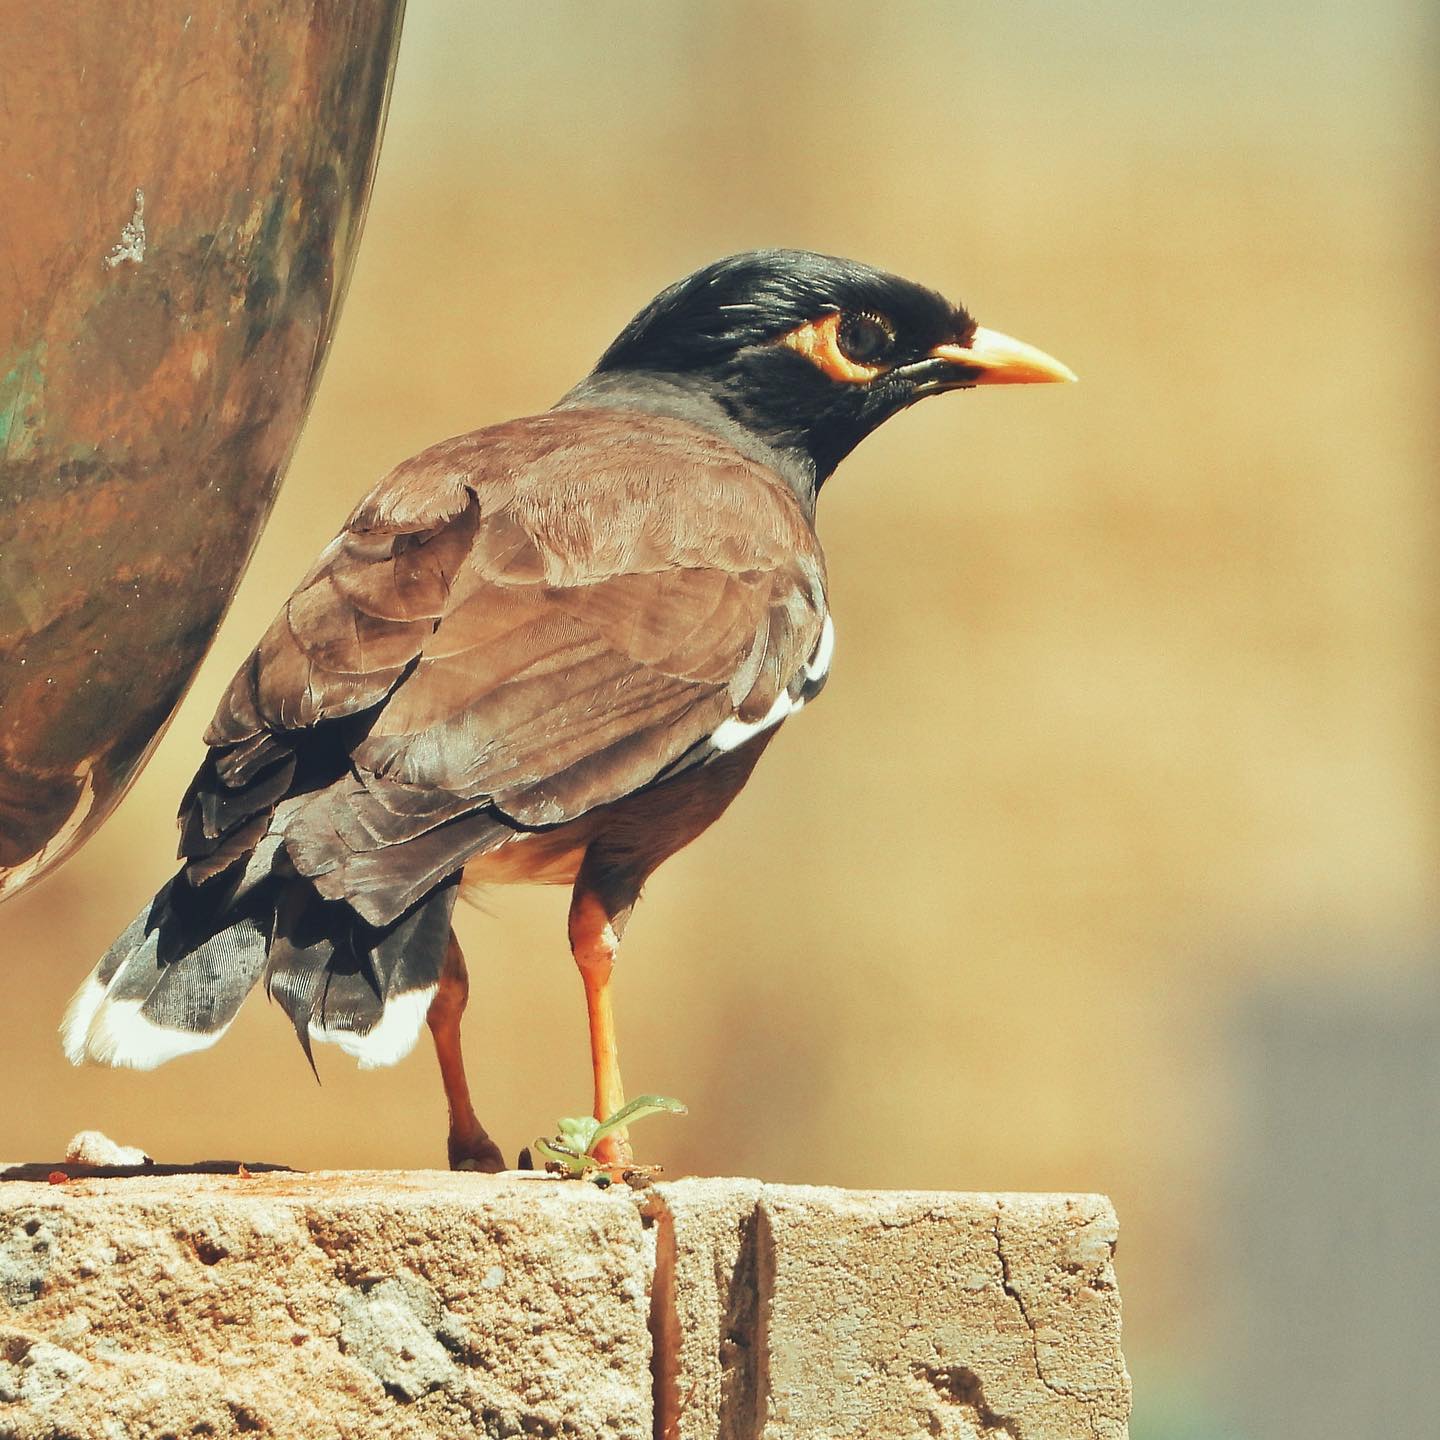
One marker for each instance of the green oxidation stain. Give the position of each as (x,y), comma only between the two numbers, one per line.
(20,394)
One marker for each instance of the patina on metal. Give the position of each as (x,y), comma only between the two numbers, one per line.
(184,190)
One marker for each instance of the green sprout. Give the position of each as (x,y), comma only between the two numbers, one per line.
(572,1152)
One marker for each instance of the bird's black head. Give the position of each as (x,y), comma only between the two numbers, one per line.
(811,353)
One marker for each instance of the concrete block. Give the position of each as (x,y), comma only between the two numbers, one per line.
(820,1313)
(323,1305)
(420,1304)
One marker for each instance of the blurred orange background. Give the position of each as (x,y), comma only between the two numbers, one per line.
(1134,702)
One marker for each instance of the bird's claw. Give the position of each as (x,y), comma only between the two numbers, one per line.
(477,1153)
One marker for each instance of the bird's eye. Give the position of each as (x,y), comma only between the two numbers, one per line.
(865,338)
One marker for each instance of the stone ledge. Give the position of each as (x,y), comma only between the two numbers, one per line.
(426,1304)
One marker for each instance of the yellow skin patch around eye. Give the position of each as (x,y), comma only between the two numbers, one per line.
(819,342)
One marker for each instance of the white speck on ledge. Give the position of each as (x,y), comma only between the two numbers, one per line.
(132,237)
(90,1147)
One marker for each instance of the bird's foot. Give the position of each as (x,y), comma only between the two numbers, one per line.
(613,1152)
(599,1150)
(475,1151)
(637,1177)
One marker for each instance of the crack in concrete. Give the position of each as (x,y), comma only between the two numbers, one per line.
(745,1331)
(1009,1287)
(743,1339)
(664,1322)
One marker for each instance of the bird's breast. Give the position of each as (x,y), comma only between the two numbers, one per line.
(545,857)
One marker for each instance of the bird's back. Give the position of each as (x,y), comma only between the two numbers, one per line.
(518,630)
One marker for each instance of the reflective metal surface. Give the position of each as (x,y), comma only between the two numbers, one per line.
(185,186)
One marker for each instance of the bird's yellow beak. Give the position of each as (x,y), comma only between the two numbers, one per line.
(996,359)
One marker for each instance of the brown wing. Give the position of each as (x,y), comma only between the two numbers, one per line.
(516,627)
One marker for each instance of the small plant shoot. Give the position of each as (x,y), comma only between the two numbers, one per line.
(572,1151)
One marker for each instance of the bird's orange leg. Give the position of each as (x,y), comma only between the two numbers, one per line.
(468,1146)
(594,939)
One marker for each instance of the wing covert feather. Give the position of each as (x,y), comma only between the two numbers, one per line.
(529,622)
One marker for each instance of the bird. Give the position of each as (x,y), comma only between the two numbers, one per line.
(548,651)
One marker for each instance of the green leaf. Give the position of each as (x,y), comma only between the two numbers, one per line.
(577,1131)
(637,1109)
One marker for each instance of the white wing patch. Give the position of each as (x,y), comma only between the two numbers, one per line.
(734,732)
(729,734)
(817,667)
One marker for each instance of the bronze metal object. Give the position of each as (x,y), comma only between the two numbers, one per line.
(185,186)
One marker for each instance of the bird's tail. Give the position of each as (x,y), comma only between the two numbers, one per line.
(176,978)
(172,982)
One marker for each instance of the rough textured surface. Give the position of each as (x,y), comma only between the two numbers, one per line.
(429,1304)
(805,1312)
(406,1304)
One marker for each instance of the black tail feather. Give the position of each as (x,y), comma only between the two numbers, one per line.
(173,981)
(176,978)
(331,971)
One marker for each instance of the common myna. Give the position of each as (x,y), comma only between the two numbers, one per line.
(547,651)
